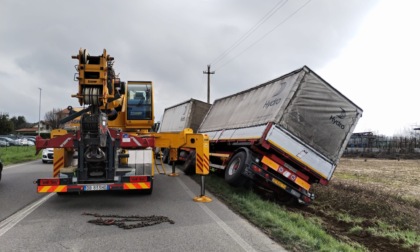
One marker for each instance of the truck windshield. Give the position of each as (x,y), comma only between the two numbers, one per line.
(139,102)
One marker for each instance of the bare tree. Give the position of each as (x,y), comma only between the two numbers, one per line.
(53,117)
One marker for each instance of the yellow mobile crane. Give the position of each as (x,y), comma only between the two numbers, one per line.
(114,132)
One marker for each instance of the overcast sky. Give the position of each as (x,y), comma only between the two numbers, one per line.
(367,49)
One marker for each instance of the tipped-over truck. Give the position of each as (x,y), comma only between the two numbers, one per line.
(283,135)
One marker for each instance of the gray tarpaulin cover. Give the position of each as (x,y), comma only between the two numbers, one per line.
(188,114)
(300,102)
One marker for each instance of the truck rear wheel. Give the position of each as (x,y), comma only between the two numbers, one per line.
(235,168)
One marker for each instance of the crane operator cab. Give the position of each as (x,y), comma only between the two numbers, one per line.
(139,102)
(139,98)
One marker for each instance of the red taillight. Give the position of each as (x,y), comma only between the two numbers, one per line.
(49,182)
(135,179)
(256,169)
(306,199)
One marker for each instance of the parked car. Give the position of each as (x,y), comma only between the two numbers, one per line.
(30,143)
(25,141)
(1,168)
(4,143)
(9,140)
(32,139)
(47,155)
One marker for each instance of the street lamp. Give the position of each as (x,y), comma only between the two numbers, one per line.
(39,114)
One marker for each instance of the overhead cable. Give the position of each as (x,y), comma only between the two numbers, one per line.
(265,35)
(270,13)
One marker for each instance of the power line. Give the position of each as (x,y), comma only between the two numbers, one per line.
(265,35)
(250,31)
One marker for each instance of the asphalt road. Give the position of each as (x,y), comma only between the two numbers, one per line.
(16,186)
(49,222)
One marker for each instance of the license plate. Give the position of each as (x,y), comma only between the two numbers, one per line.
(280,184)
(101,187)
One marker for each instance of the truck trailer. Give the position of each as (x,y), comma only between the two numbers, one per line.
(283,135)
(187,114)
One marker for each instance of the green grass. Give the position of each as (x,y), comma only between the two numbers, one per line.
(408,238)
(18,154)
(293,230)
(348,218)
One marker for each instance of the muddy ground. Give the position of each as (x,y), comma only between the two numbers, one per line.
(371,202)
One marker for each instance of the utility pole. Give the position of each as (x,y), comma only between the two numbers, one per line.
(208,82)
(39,113)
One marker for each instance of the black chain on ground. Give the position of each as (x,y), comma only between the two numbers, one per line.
(120,220)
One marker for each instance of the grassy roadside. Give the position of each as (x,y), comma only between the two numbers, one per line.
(18,154)
(294,230)
(376,213)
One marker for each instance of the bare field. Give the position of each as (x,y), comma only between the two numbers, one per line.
(371,202)
(397,177)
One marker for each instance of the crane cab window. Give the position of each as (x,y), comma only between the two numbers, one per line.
(139,102)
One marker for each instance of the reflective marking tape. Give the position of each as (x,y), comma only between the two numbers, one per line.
(270,163)
(202,164)
(303,183)
(50,189)
(141,185)
(57,166)
(199,164)
(282,170)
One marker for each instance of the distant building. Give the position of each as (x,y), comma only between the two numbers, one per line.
(33,129)
(46,128)
(73,124)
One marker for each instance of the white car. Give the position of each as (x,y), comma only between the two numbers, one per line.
(47,155)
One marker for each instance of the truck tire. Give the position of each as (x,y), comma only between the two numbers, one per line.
(189,166)
(235,168)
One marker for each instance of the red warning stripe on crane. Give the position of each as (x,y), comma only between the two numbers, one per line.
(202,164)
(58,164)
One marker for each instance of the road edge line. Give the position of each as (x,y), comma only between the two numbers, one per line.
(237,238)
(20,164)
(14,219)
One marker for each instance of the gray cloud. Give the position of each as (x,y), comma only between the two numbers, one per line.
(167,42)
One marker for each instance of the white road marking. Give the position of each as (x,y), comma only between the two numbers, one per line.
(241,242)
(10,222)
(21,164)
